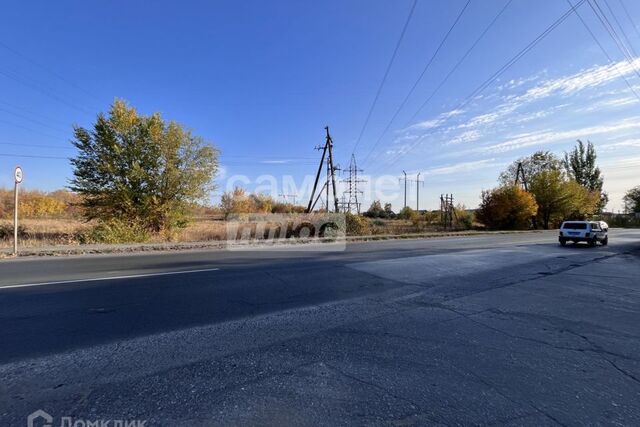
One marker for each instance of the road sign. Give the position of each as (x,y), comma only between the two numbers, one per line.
(17,174)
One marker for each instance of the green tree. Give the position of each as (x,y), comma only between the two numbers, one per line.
(407,213)
(236,202)
(141,170)
(532,165)
(375,210)
(580,165)
(632,200)
(463,216)
(507,208)
(559,198)
(388,211)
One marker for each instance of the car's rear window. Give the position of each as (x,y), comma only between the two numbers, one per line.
(575,225)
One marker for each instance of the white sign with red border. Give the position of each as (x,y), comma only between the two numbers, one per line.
(17,174)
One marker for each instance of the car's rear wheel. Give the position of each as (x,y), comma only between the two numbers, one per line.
(563,242)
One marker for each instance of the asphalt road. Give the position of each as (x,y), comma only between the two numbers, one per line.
(500,329)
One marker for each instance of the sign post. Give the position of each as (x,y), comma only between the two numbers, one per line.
(17,174)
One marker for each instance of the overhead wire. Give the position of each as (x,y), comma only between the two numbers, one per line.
(36,87)
(418,80)
(626,12)
(621,28)
(460,61)
(386,74)
(47,69)
(604,51)
(612,33)
(498,73)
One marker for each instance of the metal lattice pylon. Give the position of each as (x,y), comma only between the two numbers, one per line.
(352,203)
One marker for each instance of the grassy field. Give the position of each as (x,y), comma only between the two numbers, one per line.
(65,231)
(43,232)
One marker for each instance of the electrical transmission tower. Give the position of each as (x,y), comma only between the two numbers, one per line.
(447,211)
(520,173)
(330,181)
(287,197)
(352,202)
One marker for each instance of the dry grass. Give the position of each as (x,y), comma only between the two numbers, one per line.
(46,232)
(67,231)
(400,226)
(203,230)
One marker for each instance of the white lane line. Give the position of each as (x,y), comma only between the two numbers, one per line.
(99,279)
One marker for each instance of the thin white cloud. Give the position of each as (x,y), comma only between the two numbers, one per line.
(436,122)
(462,167)
(465,137)
(547,137)
(505,112)
(590,78)
(276,162)
(614,146)
(527,114)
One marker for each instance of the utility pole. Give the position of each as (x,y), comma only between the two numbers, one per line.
(17,174)
(405,188)
(418,182)
(327,152)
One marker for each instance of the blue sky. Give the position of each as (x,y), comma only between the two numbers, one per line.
(262,79)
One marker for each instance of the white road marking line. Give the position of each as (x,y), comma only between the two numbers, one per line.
(99,279)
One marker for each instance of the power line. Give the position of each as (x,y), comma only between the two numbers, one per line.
(53,73)
(54,147)
(415,84)
(284,156)
(624,34)
(23,81)
(38,122)
(621,44)
(29,129)
(611,61)
(626,12)
(28,111)
(34,156)
(460,61)
(612,33)
(502,70)
(386,74)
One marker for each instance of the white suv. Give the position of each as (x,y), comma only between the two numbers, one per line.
(591,232)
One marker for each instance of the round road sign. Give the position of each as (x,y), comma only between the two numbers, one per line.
(17,174)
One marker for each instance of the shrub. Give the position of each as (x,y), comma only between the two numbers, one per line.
(357,225)
(41,206)
(507,208)
(408,213)
(116,231)
(375,210)
(464,217)
(6,231)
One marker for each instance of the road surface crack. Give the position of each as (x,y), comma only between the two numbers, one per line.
(385,390)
